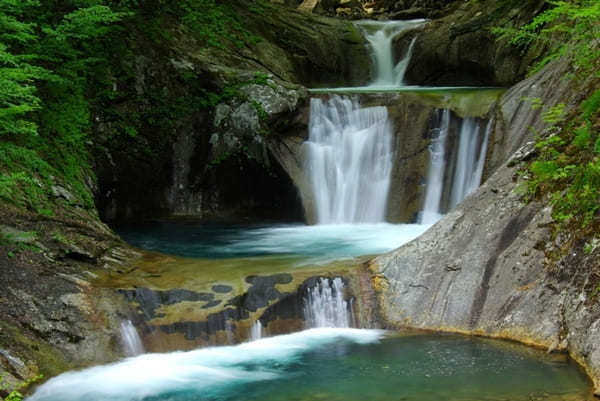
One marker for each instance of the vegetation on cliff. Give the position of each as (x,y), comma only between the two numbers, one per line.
(568,165)
(59,66)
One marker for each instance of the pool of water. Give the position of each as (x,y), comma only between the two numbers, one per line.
(331,364)
(313,243)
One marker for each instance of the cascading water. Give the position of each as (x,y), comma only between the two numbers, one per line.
(256,331)
(470,161)
(435,175)
(380,36)
(349,160)
(132,344)
(325,306)
(468,164)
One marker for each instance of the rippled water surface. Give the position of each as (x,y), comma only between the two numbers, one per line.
(331,364)
(315,243)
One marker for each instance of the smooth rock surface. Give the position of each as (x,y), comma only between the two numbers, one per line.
(484,268)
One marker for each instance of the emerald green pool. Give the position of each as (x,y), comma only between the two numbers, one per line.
(332,364)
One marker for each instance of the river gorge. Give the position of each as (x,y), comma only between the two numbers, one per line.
(358,233)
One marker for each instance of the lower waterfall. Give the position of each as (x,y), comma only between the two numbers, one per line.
(256,331)
(132,344)
(325,305)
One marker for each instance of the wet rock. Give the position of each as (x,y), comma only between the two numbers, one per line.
(149,300)
(414,118)
(61,192)
(12,234)
(14,364)
(221,288)
(459,48)
(483,269)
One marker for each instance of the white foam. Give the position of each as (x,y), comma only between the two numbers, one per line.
(210,370)
(327,242)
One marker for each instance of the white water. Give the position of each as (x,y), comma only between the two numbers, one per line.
(349,158)
(209,370)
(256,331)
(468,170)
(470,161)
(325,305)
(132,344)
(435,175)
(380,36)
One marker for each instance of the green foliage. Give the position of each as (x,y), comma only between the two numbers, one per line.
(16,395)
(568,167)
(215,24)
(18,95)
(566,28)
(50,53)
(60,62)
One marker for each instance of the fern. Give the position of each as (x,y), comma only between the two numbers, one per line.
(567,28)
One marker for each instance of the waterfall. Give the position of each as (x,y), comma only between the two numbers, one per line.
(256,331)
(435,175)
(380,36)
(349,158)
(468,162)
(132,344)
(325,306)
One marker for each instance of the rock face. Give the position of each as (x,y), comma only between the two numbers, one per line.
(205,113)
(483,268)
(52,318)
(459,48)
(185,303)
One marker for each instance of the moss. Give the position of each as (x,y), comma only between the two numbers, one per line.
(48,360)
(161,272)
(465,102)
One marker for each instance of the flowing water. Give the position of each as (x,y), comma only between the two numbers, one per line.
(350,156)
(349,160)
(470,160)
(256,331)
(325,305)
(380,36)
(320,243)
(435,175)
(467,162)
(330,364)
(132,344)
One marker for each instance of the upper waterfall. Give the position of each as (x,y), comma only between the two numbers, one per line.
(380,36)
(349,157)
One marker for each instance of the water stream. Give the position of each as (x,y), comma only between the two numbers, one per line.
(350,158)
(435,175)
(330,364)
(325,305)
(131,341)
(466,164)
(380,36)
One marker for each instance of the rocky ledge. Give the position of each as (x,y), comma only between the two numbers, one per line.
(485,268)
